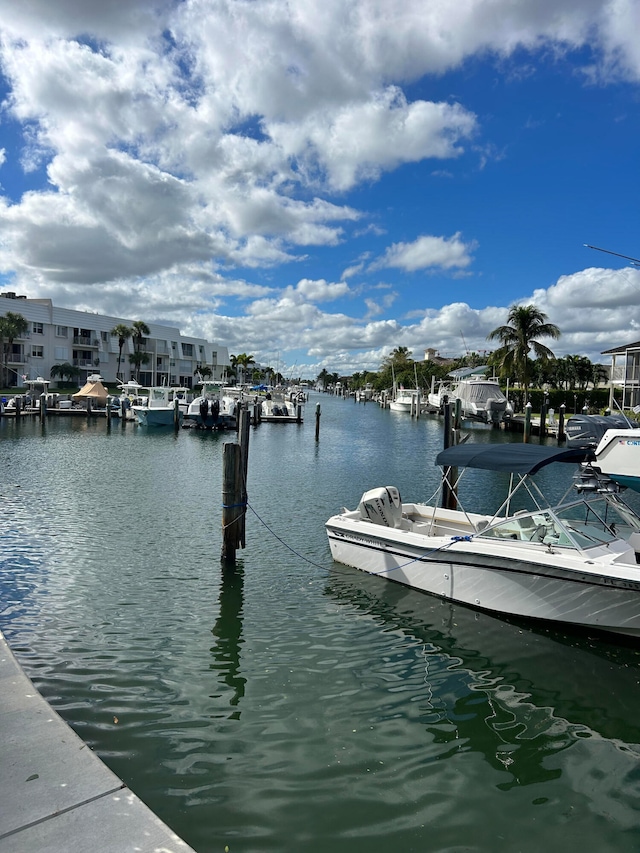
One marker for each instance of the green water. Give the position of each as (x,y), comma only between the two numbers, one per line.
(299,705)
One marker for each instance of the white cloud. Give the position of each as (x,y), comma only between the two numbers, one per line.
(428,252)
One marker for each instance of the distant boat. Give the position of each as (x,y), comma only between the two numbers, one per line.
(482,400)
(403,400)
(214,408)
(161,409)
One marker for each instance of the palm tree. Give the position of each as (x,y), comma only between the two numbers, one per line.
(139,331)
(70,371)
(122,333)
(525,323)
(243,360)
(12,326)
(137,359)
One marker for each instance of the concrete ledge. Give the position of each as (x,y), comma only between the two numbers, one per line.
(56,793)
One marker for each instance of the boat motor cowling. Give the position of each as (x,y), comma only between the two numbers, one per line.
(382,506)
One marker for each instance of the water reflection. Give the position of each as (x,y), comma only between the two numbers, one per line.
(515,693)
(228,633)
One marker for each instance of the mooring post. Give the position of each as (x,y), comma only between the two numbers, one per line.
(561,423)
(108,412)
(176,414)
(543,419)
(243,441)
(527,423)
(299,413)
(88,406)
(317,421)
(43,408)
(231,500)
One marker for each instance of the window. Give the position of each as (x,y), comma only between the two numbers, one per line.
(62,331)
(37,352)
(105,337)
(61,353)
(187,350)
(38,328)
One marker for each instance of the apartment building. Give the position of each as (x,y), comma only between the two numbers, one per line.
(84,340)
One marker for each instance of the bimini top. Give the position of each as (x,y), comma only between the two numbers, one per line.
(511,458)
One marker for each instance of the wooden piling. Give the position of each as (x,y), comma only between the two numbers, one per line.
(543,420)
(317,421)
(176,414)
(243,441)
(43,408)
(561,435)
(232,508)
(527,423)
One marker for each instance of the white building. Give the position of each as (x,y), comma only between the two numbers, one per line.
(60,335)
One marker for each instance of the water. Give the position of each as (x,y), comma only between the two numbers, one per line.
(299,705)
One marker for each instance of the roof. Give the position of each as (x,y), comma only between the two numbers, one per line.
(465,372)
(622,348)
(511,458)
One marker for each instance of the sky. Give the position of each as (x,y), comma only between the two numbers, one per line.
(318,182)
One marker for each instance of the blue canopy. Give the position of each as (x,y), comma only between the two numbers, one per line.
(510,458)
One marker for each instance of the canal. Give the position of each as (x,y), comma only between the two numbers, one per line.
(295,704)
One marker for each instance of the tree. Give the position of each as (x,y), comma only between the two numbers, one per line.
(136,359)
(139,331)
(400,357)
(122,333)
(525,324)
(323,378)
(65,370)
(243,361)
(12,326)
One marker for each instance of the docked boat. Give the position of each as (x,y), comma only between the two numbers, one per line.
(615,442)
(482,400)
(160,409)
(214,408)
(403,400)
(438,394)
(575,562)
(279,410)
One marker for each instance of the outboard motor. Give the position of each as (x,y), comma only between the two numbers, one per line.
(382,506)
(204,409)
(587,430)
(215,410)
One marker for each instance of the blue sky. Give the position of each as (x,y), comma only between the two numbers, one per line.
(316,183)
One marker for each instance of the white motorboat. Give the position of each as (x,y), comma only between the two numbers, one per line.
(162,408)
(438,394)
(618,456)
(279,410)
(214,408)
(403,400)
(575,562)
(615,442)
(482,400)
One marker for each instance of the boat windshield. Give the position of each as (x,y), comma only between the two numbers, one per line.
(582,523)
(600,520)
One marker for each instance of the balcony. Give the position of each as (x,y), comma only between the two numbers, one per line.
(84,341)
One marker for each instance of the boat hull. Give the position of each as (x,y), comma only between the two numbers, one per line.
(156,417)
(467,572)
(618,456)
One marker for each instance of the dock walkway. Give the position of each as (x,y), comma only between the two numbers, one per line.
(57,795)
